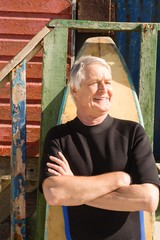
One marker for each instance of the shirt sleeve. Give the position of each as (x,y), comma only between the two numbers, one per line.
(143,168)
(51,148)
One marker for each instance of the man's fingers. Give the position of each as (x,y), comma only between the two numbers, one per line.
(50,170)
(62,157)
(56,167)
(60,164)
(57,160)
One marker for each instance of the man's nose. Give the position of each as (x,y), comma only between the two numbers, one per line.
(102,87)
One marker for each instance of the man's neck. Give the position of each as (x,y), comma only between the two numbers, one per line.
(90,120)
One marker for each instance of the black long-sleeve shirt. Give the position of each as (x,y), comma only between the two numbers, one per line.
(113,145)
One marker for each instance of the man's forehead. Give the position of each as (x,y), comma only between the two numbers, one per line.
(98,70)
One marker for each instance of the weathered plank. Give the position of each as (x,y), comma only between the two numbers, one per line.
(10,48)
(31,169)
(34,69)
(147,81)
(32,149)
(27,6)
(5,196)
(32,134)
(21,26)
(34,90)
(4,166)
(5,183)
(18,158)
(95,25)
(26,53)
(54,80)
(33,113)
(98,25)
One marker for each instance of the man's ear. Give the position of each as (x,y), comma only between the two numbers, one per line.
(74,92)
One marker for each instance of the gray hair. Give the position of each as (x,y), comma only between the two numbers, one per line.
(78,70)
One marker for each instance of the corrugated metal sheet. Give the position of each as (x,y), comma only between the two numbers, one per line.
(19,22)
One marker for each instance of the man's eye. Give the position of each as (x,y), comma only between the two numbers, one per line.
(93,83)
(108,83)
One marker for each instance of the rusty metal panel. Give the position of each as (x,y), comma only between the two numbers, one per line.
(96,10)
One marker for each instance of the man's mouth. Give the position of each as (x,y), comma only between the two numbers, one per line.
(101,98)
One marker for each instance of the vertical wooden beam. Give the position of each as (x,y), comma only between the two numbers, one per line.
(18,157)
(54,81)
(147,82)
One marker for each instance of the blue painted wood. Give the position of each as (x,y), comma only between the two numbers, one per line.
(18,156)
(129,45)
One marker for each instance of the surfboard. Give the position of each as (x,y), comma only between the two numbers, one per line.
(125,105)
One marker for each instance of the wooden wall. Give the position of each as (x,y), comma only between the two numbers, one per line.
(20,20)
(129,45)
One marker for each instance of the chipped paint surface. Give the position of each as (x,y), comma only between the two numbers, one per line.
(20,21)
(18,158)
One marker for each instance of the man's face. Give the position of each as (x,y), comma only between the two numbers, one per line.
(94,96)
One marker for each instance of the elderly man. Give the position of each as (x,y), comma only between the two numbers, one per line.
(100,167)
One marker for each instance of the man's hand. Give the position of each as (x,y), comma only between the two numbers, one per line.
(60,166)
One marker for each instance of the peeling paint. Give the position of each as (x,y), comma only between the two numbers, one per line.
(18,158)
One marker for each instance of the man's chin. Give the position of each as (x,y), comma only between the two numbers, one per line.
(103,109)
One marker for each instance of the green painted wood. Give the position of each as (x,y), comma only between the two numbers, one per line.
(53,85)
(18,156)
(147,82)
(98,25)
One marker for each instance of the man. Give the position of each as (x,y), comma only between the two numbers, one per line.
(100,167)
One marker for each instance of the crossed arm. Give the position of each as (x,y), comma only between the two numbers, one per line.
(111,191)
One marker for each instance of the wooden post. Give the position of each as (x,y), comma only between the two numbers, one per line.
(53,85)
(18,157)
(147,81)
